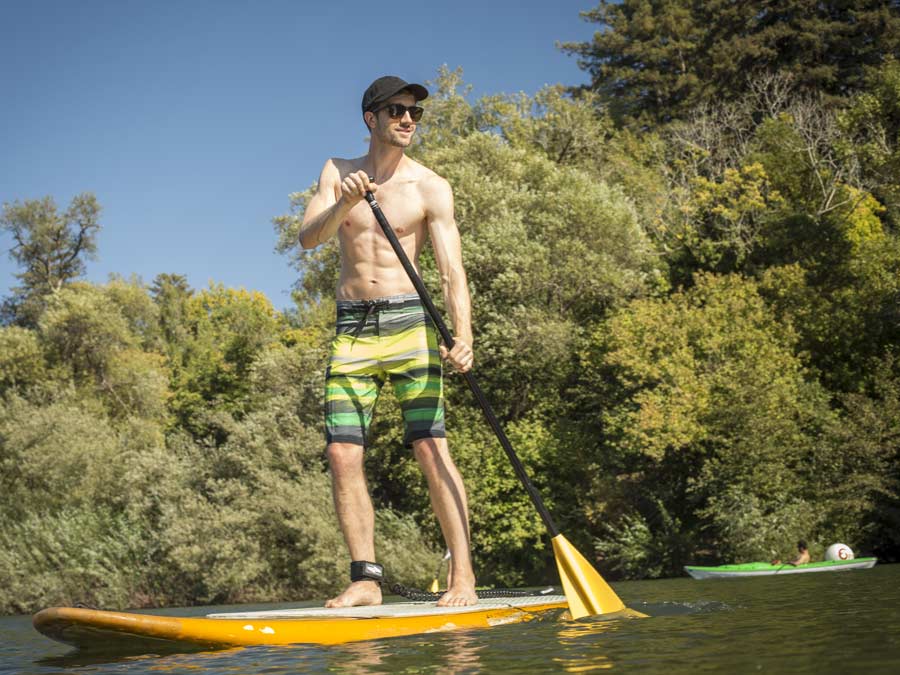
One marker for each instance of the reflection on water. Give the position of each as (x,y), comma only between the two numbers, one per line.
(681,608)
(841,622)
(454,654)
(360,657)
(134,663)
(571,635)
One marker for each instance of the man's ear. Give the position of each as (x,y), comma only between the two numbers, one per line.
(369,117)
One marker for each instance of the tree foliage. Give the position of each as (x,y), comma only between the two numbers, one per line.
(702,390)
(655,61)
(872,123)
(50,247)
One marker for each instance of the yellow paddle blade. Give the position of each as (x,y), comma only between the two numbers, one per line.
(435,586)
(586,591)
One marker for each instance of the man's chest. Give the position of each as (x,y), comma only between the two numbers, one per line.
(402,205)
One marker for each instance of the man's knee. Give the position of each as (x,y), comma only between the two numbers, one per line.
(344,457)
(431,452)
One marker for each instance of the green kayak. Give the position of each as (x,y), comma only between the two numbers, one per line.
(763,569)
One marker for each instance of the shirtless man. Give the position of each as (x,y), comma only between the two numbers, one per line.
(383,331)
(802,556)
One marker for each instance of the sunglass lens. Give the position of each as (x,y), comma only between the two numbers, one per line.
(397,110)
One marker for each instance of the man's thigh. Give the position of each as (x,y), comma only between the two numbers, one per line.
(417,379)
(349,405)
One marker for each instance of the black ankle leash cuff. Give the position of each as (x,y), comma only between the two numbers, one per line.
(362,570)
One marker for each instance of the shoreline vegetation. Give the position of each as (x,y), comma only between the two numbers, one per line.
(686,313)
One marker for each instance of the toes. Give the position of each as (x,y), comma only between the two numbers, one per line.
(456,601)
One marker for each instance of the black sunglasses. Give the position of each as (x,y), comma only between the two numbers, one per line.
(398,110)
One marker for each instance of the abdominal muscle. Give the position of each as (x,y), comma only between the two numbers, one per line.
(370,268)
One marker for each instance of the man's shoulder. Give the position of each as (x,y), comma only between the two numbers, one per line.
(343,166)
(428,181)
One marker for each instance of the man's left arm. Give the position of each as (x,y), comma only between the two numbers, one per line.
(447,247)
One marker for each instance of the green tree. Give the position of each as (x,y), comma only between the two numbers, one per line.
(66,535)
(655,61)
(872,125)
(82,331)
(708,419)
(769,178)
(227,330)
(859,471)
(22,362)
(171,293)
(50,246)
(103,339)
(773,185)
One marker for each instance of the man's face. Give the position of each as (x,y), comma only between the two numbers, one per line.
(396,131)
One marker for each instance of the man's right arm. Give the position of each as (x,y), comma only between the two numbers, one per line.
(324,213)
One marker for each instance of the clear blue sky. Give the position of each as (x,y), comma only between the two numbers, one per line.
(193,120)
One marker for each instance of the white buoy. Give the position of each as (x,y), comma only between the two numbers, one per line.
(839,552)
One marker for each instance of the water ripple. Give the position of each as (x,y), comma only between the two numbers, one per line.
(847,622)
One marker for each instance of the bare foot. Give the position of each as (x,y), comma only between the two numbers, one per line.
(356,594)
(460,594)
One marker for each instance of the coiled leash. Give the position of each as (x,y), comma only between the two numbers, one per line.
(362,570)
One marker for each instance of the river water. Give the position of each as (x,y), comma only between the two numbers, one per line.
(843,622)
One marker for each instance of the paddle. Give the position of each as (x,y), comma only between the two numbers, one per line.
(436,582)
(586,591)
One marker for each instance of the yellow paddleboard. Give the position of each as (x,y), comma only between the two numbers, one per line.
(99,629)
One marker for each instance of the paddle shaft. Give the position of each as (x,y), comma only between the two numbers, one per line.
(470,378)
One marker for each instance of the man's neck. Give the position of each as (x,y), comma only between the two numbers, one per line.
(382,160)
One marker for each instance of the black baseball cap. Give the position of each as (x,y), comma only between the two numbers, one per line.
(385,87)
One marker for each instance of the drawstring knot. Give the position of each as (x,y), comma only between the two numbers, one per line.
(372,306)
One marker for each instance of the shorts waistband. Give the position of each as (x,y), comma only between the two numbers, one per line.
(391,301)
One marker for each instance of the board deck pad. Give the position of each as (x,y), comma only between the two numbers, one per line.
(393,609)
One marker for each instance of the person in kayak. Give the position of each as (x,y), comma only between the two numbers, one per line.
(802,556)
(383,331)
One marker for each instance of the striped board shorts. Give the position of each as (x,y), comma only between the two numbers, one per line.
(376,340)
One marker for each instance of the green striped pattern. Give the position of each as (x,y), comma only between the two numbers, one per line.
(387,339)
